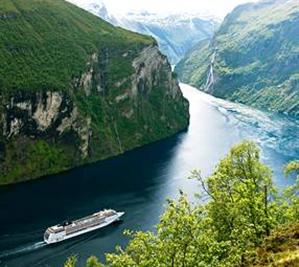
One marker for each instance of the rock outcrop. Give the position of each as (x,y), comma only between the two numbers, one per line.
(124,96)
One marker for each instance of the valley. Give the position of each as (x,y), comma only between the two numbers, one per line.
(254,57)
(186,125)
(137,182)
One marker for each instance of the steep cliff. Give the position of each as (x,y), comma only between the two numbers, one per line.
(74,89)
(252,59)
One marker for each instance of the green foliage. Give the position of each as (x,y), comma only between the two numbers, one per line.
(29,159)
(71,262)
(242,210)
(292,167)
(93,262)
(240,189)
(292,193)
(52,46)
(57,40)
(193,67)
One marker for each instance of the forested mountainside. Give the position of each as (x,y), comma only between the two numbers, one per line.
(75,89)
(253,57)
(176,34)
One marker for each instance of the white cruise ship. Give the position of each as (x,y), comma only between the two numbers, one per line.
(69,229)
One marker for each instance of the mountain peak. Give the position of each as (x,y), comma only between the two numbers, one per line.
(96,7)
(175,33)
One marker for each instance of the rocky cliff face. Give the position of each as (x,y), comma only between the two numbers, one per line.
(252,59)
(47,114)
(124,96)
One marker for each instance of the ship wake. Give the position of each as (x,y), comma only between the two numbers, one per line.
(22,250)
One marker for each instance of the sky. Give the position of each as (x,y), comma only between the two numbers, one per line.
(218,8)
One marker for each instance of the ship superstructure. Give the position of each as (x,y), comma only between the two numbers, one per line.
(69,229)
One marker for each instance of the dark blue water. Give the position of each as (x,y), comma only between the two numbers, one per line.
(137,182)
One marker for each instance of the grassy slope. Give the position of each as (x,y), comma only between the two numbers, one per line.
(195,64)
(281,249)
(257,57)
(45,45)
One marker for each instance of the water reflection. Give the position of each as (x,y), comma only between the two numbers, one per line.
(137,182)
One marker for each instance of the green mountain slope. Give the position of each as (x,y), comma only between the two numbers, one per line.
(253,58)
(74,89)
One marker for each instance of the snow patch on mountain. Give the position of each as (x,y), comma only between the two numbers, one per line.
(176,34)
(96,7)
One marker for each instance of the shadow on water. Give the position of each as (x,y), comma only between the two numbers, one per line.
(137,182)
(79,192)
(68,244)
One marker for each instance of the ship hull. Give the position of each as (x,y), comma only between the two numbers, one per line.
(109,221)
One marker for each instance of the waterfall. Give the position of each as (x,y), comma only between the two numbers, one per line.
(210,77)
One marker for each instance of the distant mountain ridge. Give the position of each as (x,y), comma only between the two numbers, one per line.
(253,57)
(176,34)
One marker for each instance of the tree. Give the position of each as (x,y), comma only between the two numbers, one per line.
(240,190)
(93,262)
(241,210)
(291,194)
(71,262)
(292,167)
